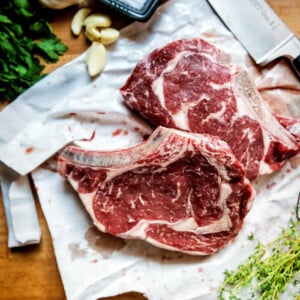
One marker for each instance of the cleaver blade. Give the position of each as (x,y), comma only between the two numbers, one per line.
(260,31)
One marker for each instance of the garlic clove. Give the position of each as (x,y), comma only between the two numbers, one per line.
(97,20)
(93,34)
(78,20)
(109,35)
(95,58)
(106,36)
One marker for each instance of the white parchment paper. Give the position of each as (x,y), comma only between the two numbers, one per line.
(74,107)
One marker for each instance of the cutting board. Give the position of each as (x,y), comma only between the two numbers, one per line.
(31,272)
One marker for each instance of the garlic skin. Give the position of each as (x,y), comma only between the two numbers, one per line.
(60,4)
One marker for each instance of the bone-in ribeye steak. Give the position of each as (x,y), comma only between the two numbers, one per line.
(192,85)
(177,190)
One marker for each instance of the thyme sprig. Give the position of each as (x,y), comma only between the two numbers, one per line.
(269,270)
(298,208)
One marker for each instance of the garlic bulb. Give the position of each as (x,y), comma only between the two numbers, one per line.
(60,4)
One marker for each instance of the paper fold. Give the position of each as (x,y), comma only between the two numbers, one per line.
(20,210)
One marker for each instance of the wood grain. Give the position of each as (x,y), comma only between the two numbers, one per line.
(31,272)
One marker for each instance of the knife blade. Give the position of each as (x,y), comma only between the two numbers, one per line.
(259,30)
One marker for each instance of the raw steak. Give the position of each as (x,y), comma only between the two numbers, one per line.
(290,124)
(191,85)
(177,190)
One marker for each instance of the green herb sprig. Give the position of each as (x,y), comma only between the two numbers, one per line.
(25,35)
(268,270)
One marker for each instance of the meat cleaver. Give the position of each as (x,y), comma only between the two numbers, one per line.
(261,32)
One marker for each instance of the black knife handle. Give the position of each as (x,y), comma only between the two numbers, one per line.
(296,64)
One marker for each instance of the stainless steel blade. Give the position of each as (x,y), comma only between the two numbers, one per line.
(258,29)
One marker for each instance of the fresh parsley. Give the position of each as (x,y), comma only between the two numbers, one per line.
(26,37)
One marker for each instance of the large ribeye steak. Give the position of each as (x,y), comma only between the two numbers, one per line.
(191,85)
(177,190)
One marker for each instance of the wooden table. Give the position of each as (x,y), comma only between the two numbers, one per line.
(31,272)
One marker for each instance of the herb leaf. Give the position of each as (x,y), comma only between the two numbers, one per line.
(268,271)
(51,49)
(25,35)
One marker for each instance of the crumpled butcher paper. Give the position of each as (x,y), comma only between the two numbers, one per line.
(69,106)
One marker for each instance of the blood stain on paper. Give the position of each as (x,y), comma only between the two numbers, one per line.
(117,132)
(144,135)
(295,162)
(91,137)
(76,251)
(270,185)
(104,243)
(120,131)
(209,34)
(29,150)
